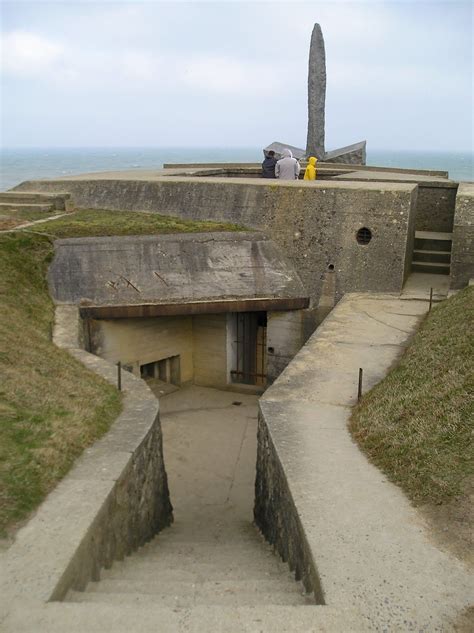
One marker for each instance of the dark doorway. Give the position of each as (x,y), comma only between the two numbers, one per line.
(249,362)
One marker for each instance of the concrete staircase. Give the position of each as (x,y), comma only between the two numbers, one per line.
(212,563)
(174,572)
(432,253)
(27,201)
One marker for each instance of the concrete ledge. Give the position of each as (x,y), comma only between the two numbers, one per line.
(352,535)
(113,500)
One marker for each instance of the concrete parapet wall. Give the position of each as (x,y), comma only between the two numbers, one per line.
(462,255)
(113,500)
(315,224)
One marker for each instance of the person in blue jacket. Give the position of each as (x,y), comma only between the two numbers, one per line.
(268,165)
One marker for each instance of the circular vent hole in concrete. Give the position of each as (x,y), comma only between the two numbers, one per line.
(364,235)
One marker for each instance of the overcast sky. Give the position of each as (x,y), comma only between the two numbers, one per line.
(234,73)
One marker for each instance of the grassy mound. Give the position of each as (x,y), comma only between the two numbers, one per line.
(417,424)
(46,417)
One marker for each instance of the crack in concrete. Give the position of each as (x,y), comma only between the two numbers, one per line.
(393,327)
(237,461)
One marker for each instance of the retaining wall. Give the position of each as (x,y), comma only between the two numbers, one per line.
(315,224)
(113,500)
(462,255)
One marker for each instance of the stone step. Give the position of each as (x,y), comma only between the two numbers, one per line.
(60,200)
(441,257)
(209,598)
(21,206)
(183,571)
(166,587)
(430,267)
(433,241)
(239,559)
(204,551)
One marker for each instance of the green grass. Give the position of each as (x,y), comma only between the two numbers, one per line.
(87,222)
(417,424)
(46,417)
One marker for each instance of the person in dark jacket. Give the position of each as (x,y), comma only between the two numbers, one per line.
(268,165)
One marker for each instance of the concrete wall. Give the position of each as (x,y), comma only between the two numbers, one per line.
(435,208)
(210,350)
(136,342)
(200,342)
(113,500)
(314,223)
(285,336)
(462,255)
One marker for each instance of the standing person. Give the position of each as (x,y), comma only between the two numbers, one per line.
(287,168)
(268,165)
(310,171)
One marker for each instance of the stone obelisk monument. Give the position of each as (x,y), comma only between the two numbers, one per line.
(316,95)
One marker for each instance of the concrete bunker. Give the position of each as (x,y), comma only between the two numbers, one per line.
(181,309)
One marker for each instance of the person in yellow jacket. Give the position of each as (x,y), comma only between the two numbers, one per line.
(310,172)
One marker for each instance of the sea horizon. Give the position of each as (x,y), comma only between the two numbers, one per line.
(27,163)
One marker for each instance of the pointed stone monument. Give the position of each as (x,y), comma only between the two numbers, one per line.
(316,95)
(315,143)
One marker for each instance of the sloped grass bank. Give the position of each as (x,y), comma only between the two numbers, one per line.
(417,424)
(51,407)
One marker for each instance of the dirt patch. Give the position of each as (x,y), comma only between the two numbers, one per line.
(465,622)
(452,524)
(9,223)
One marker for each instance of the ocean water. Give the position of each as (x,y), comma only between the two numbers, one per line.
(17,165)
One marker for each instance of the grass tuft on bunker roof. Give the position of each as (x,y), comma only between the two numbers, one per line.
(417,424)
(46,417)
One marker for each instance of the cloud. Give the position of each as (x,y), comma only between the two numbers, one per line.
(25,53)
(228,76)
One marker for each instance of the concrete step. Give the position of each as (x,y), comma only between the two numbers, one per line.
(430,267)
(209,598)
(441,257)
(433,241)
(146,570)
(165,587)
(21,206)
(59,200)
(204,551)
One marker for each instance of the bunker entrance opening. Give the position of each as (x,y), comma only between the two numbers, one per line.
(249,348)
(165,369)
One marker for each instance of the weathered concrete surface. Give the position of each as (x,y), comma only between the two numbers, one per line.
(316,95)
(344,167)
(210,448)
(314,224)
(170,268)
(327,509)
(113,500)
(355,154)
(436,196)
(462,255)
(278,148)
